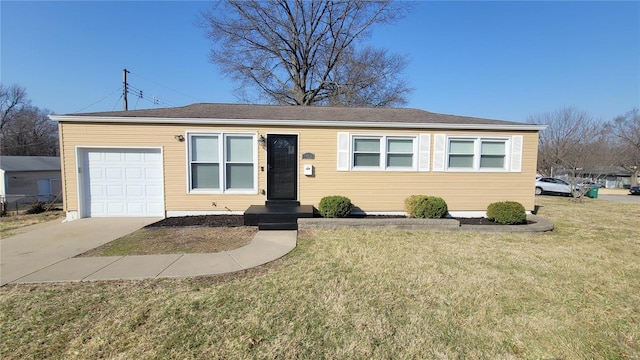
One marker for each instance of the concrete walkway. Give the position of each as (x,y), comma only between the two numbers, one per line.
(46,253)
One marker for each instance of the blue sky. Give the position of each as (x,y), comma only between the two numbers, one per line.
(499,60)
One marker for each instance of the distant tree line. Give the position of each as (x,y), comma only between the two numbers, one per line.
(575,140)
(25,129)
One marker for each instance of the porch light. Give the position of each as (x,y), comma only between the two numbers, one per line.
(179,137)
(262,140)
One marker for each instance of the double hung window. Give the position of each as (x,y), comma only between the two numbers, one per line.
(383,153)
(477,154)
(220,162)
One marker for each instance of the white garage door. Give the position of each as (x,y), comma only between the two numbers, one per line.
(123,182)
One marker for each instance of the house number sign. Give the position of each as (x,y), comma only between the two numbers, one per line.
(308,156)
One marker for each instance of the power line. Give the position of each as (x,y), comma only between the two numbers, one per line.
(143,95)
(117,102)
(166,87)
(88,106)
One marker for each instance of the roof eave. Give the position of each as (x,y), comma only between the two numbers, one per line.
(304,123)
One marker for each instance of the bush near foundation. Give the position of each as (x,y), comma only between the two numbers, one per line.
(411,202)
(335,206)
(507,213)
(429,207)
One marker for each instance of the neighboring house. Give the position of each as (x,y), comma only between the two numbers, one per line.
(29,178)
(223,158)
(609,176)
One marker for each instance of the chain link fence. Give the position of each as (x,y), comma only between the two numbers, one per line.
(16,204)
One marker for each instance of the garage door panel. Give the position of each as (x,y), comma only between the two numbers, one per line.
(113,157)
(155,157)
(154,208)
(155,174)
(115,208)
(135,208)
(133,157)
(94,156)
(133,173)
(114,190)
(134,190)
(123,182)
(97,191)
(114,174)
(154,191)
(96,173)
(98,208)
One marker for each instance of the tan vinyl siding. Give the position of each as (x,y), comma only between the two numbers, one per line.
(370,190)
(386,190)
(63,159)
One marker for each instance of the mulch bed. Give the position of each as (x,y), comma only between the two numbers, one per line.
(201,220)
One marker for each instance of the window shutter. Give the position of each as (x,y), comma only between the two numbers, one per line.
(343,151)
(516,153)
(439,151)
(424,152)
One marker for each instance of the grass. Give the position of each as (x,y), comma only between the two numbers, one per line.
(13,221)
(177,240)
(355,294)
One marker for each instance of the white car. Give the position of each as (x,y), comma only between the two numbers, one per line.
(547,185)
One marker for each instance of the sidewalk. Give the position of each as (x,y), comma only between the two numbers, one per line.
(266,246)
(39,246)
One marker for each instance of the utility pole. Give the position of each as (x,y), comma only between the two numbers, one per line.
(124,88)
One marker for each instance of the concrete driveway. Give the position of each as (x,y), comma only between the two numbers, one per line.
(38,246)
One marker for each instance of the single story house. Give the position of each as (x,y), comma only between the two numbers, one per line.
(29,178)
(610,176)
(224,158)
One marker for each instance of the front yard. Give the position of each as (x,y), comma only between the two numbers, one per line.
(572,294)
(12,221)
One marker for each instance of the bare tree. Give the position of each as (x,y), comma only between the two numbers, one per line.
(300,52)
(626,130)
(26,129)
(570,141)
(12,100)
(369,78)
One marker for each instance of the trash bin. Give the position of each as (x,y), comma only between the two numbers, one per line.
(593,193)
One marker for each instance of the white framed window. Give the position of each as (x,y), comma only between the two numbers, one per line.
(493,154)
(222,163)
(475,153)
(400,152)
(383,152)
(461,153)
(366,152)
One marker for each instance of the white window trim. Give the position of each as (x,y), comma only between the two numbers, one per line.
(477,153)
(222,151)
(383,152)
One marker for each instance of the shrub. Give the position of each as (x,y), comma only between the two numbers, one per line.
(335,206)
(432,207)
(36,208)
(422,206)
(507,213)
(411,202)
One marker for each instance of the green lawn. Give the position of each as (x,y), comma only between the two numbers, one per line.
(346,294)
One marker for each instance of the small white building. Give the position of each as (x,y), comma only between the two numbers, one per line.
(30,178)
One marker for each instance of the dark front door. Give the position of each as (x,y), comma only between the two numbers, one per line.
(282,167)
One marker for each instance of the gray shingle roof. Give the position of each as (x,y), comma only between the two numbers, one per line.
(304,113)
(30,163)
